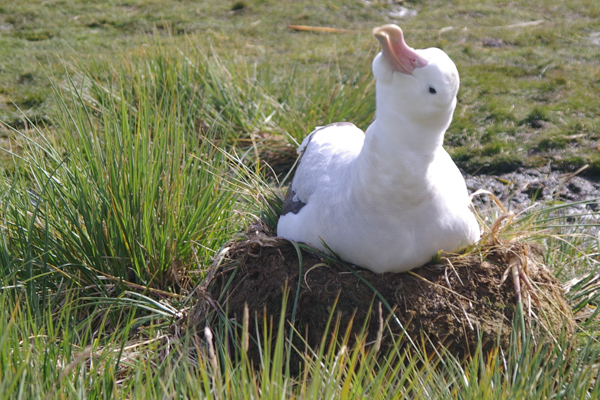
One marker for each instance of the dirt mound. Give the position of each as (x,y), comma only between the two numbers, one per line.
(453,302)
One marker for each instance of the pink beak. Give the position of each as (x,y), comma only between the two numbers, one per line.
(398,54)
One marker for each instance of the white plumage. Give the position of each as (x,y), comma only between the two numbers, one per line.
(390,199)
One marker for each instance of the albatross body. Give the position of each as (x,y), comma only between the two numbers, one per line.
(389,199)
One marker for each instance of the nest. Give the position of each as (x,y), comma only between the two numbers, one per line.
(455,302)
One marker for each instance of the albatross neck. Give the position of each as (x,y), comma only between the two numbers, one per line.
(390,159)
(397,135)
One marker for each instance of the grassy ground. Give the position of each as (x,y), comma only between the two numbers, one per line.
(529,73)
(155,122)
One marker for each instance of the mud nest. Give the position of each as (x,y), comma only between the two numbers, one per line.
(453,303)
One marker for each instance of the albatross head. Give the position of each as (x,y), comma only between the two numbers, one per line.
(414,86)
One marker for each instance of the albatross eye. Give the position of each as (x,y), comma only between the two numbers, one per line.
(432,90)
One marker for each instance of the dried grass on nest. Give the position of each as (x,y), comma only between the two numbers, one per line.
(454,303)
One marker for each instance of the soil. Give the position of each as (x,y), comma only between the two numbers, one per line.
(520,188)
(455,302)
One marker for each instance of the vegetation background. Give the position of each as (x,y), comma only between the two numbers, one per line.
(136,140)
(529,69)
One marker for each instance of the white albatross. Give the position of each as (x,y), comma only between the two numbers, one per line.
(390,199)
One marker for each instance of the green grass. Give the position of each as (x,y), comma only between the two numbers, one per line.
(52,358)
(508,70)
(131,158)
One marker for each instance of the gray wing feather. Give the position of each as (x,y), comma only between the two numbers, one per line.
(289,204)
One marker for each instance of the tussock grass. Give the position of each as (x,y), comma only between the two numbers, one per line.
(108,225)
(125,196)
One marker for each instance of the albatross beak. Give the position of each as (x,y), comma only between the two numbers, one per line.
(398,54)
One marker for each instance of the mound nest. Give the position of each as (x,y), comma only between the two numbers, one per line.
(453,303)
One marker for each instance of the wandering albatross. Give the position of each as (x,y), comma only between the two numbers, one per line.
(389,199)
